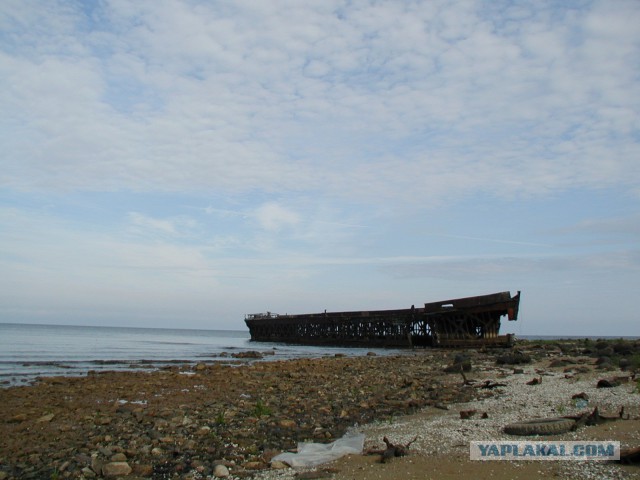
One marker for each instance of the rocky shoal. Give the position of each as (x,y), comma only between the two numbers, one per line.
(195,421)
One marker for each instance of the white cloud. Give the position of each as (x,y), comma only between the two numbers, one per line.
(168,96)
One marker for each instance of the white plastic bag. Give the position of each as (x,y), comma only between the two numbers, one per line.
(313,454)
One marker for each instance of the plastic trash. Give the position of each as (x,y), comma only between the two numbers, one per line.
(313,454)
(581,403)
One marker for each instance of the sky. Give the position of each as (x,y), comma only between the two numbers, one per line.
(183,163)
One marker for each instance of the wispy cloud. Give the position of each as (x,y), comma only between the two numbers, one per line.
(173,227)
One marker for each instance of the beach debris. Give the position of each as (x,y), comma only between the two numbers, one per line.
(392,450)
(535,381)
(604,383)
(621,414)
(314,454)
(489,384)
(630,455)
(540,426)
(580,396)
(593,418)
(467,414)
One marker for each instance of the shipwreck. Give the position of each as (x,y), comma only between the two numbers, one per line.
(460,322)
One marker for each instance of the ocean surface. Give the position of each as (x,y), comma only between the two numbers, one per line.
(31,351)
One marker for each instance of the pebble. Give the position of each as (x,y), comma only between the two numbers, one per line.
(221,471)
(45,418)
(286,423)
(119,457)
(88,473)
(19,418)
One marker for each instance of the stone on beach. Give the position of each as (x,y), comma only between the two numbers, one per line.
(221,471)
(116,469)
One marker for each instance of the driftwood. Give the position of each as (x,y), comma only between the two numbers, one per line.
(490,384)
(392,450)
(630,455)
(593,418)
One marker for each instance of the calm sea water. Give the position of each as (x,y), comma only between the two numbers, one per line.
(30,351)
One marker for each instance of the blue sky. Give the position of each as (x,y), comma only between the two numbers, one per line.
(183,163)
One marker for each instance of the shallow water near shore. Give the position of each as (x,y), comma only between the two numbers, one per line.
(30,351)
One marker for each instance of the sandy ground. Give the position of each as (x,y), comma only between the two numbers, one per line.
(456,463)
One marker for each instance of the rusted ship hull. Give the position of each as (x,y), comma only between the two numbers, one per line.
(462,322)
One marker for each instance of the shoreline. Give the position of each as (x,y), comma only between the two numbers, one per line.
(184,421)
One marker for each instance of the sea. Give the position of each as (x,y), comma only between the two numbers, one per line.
(30,351)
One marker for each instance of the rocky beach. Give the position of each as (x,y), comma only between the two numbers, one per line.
(208,420)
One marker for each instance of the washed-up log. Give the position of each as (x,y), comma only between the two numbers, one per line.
(630,455)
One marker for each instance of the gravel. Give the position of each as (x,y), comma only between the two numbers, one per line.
(443,432)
